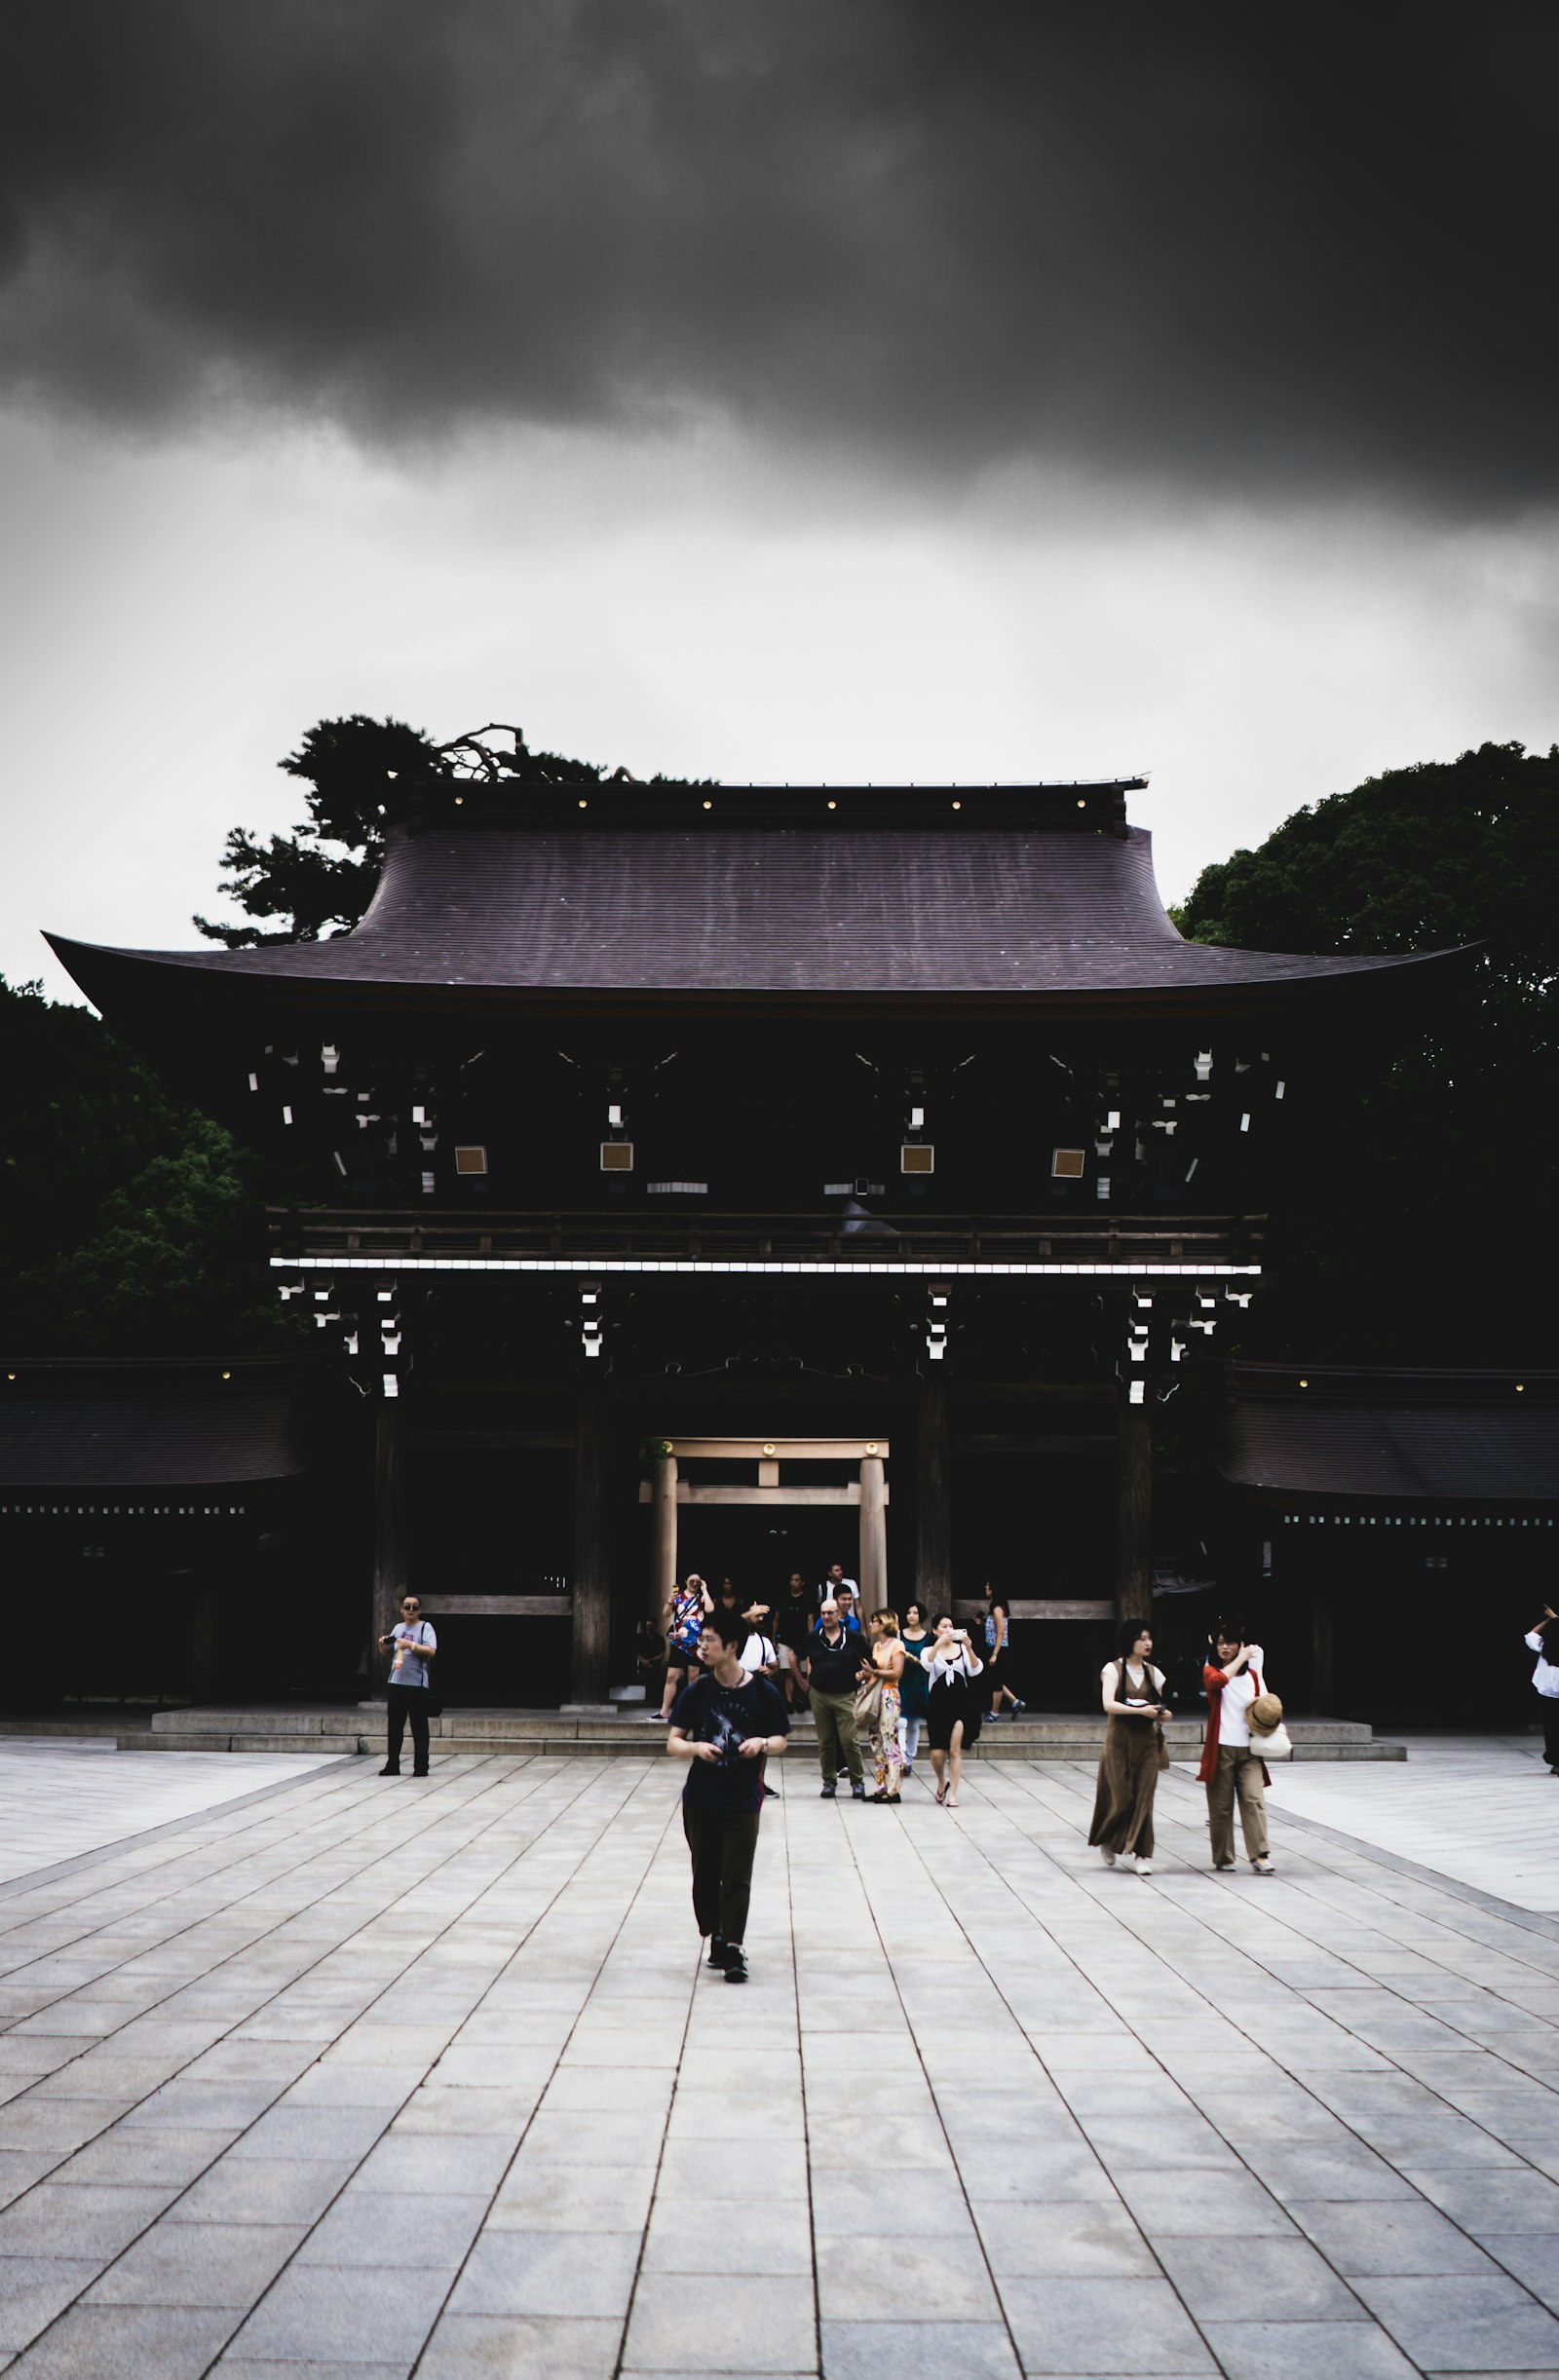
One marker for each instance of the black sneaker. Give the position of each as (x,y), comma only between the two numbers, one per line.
(828,1792)
(718,1954)
(389,1772)
(857,1792)
(769,1794)
(735,1966)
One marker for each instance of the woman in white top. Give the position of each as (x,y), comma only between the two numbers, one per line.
(1129,1766)
(1542,1639)
(953,1715)
(1231,1767)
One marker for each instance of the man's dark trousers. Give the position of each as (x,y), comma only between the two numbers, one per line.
(408,1702)
(722,1843)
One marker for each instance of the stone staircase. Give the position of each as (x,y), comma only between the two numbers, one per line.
(618,1734)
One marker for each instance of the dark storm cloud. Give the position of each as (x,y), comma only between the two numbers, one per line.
(1278,248)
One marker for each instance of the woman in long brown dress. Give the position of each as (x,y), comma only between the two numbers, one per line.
(1129,1766)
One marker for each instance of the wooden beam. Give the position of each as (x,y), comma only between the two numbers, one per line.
(593,1588)
(934,1465)
(389,1526)
(873,1560)
(785,1449)
(1133,1574)
(781,1497)
(500,1607)
(663,1576)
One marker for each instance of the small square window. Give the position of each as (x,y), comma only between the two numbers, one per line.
(616,1157)
(916,1157)
(1066,1164)
(470,1160)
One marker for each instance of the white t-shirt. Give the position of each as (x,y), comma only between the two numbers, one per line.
(1545,1677)
(1233,1723)
(758,1654)
(831,1586)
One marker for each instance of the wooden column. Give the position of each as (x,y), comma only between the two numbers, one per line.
(934,1468)
(389,1527)
(873,1534)
(1133,1547)
(662,1535)
(590,1583)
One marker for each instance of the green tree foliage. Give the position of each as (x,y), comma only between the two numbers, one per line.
(318,879)
(1422,1159)
(127,1223)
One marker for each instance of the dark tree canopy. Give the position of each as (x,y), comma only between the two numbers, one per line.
(1424,1158)
(127,1223)
(318,879)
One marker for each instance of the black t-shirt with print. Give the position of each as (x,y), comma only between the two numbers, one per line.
(709,1713)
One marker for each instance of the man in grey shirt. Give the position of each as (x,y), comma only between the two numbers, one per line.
(412,1647)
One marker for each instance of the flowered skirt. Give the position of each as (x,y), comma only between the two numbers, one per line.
(887,1748)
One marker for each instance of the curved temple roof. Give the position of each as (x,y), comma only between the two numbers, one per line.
(818,897)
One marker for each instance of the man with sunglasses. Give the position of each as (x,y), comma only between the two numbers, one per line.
(411,1646)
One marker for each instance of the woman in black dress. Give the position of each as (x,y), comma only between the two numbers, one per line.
(999,1687)
(952,1719)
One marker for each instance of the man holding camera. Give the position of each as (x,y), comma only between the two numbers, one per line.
(722,1725)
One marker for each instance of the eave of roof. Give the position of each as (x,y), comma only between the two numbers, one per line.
(987,914)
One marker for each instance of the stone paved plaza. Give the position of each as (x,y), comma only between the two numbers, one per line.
(366,2078)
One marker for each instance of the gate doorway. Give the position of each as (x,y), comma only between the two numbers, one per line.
(756,1509)
(759,1549)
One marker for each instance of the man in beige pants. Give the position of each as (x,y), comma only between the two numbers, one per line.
(1229,1768)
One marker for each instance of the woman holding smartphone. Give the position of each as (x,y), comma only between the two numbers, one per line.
(684,1613)
(1129,1766)
(953,1715)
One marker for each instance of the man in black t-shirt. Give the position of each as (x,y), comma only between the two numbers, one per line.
(722,1725)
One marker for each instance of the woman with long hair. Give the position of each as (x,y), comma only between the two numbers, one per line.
(998,1684)
(684,1610)
(914,1687)
(1134,1713)
(884,1667)
(953,1717)
(1542,1639)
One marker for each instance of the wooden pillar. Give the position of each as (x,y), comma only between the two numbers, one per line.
(873,1536)
(1133,1550)
(664,1570)
(934,1468)
(389,1527)
(592,1582)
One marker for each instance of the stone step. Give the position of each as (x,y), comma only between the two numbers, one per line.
(584,1735)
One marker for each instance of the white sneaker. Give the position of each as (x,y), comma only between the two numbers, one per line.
(1264,1867)
(1144,1868)
(1108,1857)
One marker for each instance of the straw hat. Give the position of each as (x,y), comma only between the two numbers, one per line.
(1266,1712)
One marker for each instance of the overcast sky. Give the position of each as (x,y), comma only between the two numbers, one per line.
(830,390)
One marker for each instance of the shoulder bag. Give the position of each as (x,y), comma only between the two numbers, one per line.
(869,1704)
(1269,1737)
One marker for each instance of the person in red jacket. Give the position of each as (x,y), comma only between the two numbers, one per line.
(1229,1768)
